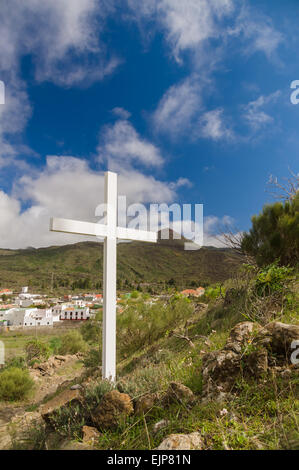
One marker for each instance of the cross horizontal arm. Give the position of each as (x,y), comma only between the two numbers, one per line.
(77,227)
(99,230)
(133,234)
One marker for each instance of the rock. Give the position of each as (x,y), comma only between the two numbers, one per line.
(239,336)
(182,442)
(113,408)
(60,358)
(219,370)
(145,403)
(16,431)
(178,392)
(277,337)
(160,425)
(64,399)
(76,387)
(256,363)
(90,435)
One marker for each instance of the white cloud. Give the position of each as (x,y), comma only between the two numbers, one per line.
(254,112)
(67,187)
(178,107)
(215,229)
(62,37)
(13,118)
(258,32)
(212,125)
(186,24)
(121,146)
(121,113)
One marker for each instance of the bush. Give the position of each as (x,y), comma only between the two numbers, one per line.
(93,358)
(55,345)
(91,330)
(72,343)
(15,384)
(18,361)
(36,350)
(275,234)
(141,324)
(273,279)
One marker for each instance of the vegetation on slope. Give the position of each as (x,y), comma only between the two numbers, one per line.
(79,266)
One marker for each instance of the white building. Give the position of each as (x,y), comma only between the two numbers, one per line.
(75,313)
(28,317)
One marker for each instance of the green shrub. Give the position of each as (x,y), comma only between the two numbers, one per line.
(18,361)
(55,345)
(93,358)
(72,343)
(275,234)
(15,384)
(272,279)
(135,294)
(91,330)
(141,324)
(36,350)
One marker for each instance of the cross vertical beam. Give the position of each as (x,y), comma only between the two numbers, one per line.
(110,232)
(109,280)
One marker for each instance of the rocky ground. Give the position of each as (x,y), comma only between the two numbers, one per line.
(251,351)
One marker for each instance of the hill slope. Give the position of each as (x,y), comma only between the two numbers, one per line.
(136,262)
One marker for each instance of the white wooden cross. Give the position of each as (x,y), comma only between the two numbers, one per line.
(110,232)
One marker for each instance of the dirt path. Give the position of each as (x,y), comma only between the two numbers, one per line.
(46,384)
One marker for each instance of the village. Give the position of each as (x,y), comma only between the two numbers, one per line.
(28,310)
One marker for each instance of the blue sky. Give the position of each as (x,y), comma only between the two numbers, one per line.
(188,100)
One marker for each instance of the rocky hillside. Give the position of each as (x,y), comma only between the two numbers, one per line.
(211,380)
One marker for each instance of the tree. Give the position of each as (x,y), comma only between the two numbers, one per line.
(275,234)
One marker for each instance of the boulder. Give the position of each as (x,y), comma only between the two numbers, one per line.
(256,363)
(145,403)
(239,336)
(67,398)
(113,408)
(16,432)
(219,371)
(182,442)
(178,392)
(277,337)
(60,358)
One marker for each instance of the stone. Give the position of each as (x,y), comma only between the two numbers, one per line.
(145,403)
(178,392)
(219,371)
(182,442)
(277,337)
(17,430)
(90,435)
(239,336)
(160,425)
(60,358)
(76,387)
(65,399)
(256,363)
(113,408)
